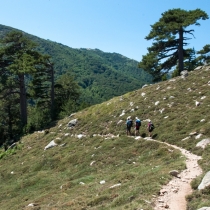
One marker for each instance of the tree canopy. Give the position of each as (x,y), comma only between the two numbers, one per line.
(20,65)
(204,55)
(169,39)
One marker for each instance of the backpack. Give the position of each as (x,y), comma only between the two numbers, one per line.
(138,122)
(152,126)
(129,123)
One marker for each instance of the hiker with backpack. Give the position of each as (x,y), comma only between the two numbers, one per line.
(150,128)
(129,124)
(138,124)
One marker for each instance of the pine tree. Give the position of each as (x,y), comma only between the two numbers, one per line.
(20,64)
(169,41)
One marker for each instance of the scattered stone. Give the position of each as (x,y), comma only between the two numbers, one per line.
(72,123)
(82,183)
(184,74)
(205,181)
(197,103)
(119,122)
(161,110)
(32,204)
(193,133)
(71,115)
(92,163)
(12,146)
(115,185)
(198,136)
(186,138)
(203,143)
(80,136)
(62,145)
(102,182)
(156,103)
(144,86)
(174,173)
(50,145)
(203,97)
(123,113)
(204,208)
(199,67)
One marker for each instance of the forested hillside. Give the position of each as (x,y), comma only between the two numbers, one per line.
(100,75)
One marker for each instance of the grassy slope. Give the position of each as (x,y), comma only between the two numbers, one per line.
(140,166)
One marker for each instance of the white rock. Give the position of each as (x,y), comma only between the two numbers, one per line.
(197,103)
(161,110)
(203,97)
(119,122)
(156,103)
(185,138)
(198,136)
(80,136)
(116,185)
(205,181)
(203,143)
(50,145)
(92,163)
(143,94)
(144,86)
(158,87)
(81,183)
(102,182)
(31,204)
(204,208)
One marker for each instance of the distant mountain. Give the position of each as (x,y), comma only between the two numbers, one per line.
(101,75)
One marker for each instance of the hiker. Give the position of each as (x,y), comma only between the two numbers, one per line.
(129,124)
(150,128)
(138,124)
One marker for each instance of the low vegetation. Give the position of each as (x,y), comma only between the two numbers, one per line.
(96,166)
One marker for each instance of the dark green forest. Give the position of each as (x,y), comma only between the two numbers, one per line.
(100,75)
(42,81)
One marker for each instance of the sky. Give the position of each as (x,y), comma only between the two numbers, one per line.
(118,26)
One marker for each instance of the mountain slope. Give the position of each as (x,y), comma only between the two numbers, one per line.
(96,166)
(101,75)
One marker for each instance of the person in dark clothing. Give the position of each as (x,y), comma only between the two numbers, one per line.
(129,124)
(150,128)
(138,125)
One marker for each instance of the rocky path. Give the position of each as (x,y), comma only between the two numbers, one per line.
(172,196)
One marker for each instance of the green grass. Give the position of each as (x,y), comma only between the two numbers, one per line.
(52,178)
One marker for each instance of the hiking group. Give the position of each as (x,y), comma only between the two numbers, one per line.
(129,124)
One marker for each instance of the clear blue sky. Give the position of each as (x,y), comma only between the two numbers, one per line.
(110,25)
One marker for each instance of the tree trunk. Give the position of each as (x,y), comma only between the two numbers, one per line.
(180,51)
(52,93)
(23,103)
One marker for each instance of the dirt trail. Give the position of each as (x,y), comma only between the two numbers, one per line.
(172,195)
